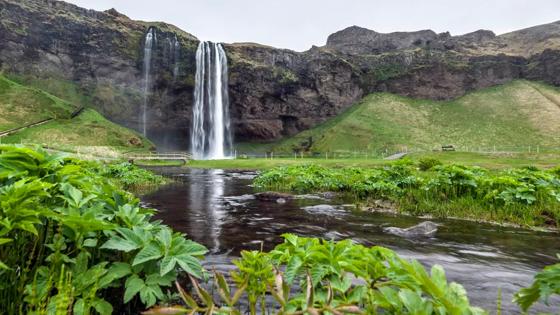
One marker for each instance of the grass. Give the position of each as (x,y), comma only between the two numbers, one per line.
(87,129)
(486,160)
(523,196)
(495,116)
(21,105)
(159,162)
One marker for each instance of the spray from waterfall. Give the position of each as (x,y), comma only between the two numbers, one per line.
(150,40)
(211,131)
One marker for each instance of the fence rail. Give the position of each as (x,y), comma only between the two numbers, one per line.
(384,153)
(185,157)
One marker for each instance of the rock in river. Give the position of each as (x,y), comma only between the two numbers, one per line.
(424,229)
(273,196)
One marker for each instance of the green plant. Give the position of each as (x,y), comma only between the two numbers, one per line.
(327,277)
(547,283)
(69,237)
(527,196)
(131,176)
(426,164)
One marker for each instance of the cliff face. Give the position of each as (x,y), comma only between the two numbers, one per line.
(100,54)
(273,92)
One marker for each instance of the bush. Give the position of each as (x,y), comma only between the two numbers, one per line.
(314,276)
(69,237)
(547,283)
(131,176)
(426,164)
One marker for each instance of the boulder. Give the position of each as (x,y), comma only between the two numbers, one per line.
(424,229)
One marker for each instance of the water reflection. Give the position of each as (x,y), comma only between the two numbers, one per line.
(205,204)
(218,209)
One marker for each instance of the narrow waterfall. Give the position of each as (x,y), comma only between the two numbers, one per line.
(211,132)
(176,55)
(150,39)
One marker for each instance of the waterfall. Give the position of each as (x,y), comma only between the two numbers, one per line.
(150,39)
(211,131)
(176,55)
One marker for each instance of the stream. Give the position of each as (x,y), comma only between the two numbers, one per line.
(217,208)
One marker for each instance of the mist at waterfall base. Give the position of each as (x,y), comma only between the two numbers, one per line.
(211,130)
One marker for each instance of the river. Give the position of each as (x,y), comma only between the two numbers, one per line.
(217,208)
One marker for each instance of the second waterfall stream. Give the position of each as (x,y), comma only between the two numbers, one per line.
(211,128)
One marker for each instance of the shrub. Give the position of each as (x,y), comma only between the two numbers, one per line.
(314,276)
(69,237)
(130,175)
(426,164)
(547,283)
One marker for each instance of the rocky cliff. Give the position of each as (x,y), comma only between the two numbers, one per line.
(273,92)
(70,50)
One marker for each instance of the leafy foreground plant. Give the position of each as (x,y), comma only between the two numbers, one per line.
(131,176)
(546,284)
(70,240)
(526,196)
(313,276)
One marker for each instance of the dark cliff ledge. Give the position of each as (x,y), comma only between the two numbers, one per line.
(273,92)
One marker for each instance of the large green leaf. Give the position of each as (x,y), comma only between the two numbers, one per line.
(167,264)
(102,307)
(152,251)
(132,286)
(190,264)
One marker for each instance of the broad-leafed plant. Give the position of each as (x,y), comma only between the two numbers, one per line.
(69,236)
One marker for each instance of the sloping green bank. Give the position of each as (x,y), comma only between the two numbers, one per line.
(21,105)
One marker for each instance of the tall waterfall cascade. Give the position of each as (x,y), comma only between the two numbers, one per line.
(149,42)
(211,131)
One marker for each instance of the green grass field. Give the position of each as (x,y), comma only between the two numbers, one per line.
(87,129)
(486,160)
(513,116)
(21,105)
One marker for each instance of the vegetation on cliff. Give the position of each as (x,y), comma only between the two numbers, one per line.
(526,196)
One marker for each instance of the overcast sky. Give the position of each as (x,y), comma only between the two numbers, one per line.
(298,24)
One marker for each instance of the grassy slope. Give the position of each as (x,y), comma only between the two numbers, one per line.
(20,105)
(517,114)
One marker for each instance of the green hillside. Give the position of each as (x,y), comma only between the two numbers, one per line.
(21,105)
(515,115)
